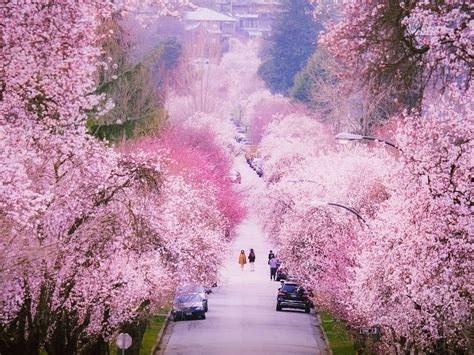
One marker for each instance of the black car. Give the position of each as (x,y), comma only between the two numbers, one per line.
(188,306)
(282,273)
(292,295)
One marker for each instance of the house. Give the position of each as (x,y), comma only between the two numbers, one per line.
(216,25)
(255,16)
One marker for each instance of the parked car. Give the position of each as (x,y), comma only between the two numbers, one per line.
(201,61)
(188,306)
(235,120)
(292,295)
(196,289)
(242,129)
(282,273)
(234,177)
(240,137)
(256,164)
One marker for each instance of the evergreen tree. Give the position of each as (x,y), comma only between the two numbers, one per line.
(293,41)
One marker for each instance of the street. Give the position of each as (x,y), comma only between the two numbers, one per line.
(242,316)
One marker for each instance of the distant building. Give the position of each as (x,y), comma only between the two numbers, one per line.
(255,17)
(218,26)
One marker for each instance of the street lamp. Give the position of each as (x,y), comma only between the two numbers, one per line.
(316,203)
(350,209)
(350,137)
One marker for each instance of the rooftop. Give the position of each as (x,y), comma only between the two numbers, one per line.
(205,14)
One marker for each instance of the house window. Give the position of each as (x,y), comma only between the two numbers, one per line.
(227,26)
(250,22)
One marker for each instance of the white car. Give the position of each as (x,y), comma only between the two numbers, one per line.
(239,137)
(234,177)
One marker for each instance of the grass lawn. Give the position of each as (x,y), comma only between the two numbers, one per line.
(151,333)
(339,339)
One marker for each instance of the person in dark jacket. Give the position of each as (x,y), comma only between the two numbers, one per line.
(252,260)
(270,256)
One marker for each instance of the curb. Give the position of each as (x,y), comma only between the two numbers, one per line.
(156,347)
(326,340)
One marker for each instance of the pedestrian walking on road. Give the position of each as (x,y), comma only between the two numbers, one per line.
(270,256)
(242,259)
(273,262)
(252,260)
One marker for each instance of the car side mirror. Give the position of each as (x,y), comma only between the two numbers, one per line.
(279,289)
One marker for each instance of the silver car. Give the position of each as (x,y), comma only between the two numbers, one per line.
(196,289)
(187,306)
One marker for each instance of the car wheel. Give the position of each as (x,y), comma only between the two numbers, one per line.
(278,307)
(203,316)
(206,309)
(307,309)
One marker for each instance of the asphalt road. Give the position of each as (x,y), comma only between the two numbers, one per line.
(242,318)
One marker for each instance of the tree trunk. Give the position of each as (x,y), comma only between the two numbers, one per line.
(136,330)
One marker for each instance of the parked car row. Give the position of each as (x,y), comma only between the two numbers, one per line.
(191,301)
(250,150)
(241,135)
(256,165)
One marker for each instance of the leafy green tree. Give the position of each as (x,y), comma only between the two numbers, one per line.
(320,70)
(294,40)
(134,91)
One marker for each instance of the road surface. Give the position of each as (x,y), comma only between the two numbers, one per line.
(242,318)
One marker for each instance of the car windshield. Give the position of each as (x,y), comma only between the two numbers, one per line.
(187,298)
(191,289)
(289,288)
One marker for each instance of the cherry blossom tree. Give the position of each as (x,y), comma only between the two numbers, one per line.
(208,94)
(411,279)
(288,142)
(185,151)
(319,242)
(89,234)
(407,271)
(261,108)
(409,44)
(422,296)
(240,65)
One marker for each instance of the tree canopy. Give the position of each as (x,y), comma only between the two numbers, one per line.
(293,42)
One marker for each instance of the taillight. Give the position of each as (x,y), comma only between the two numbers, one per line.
(281,293)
